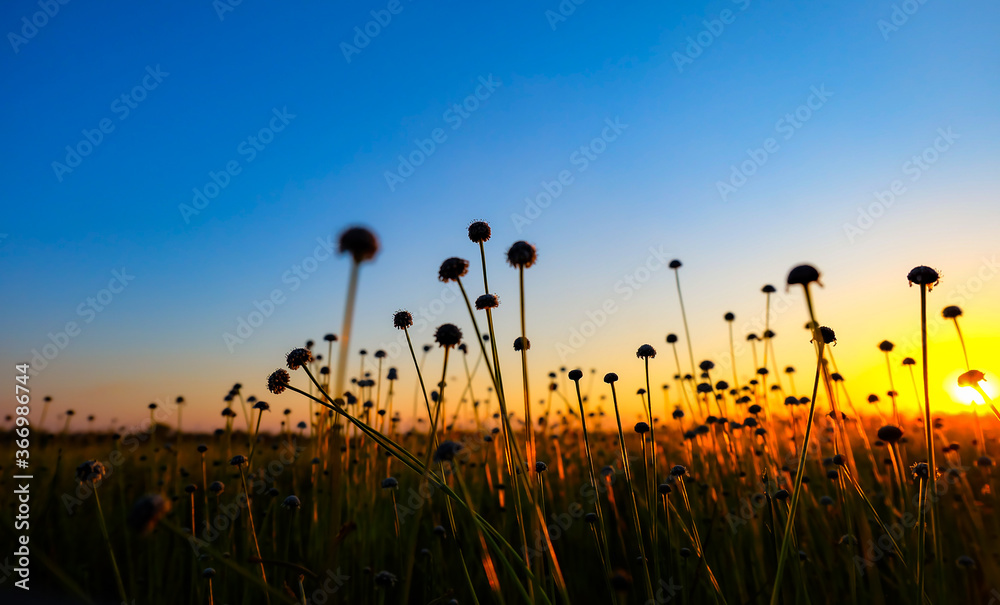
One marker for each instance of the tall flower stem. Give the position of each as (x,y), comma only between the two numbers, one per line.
(111,551)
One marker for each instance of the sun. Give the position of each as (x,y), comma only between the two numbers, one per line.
(969,395)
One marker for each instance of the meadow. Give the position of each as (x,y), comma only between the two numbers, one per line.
(786,488)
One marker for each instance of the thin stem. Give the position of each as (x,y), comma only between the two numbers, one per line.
(111,552)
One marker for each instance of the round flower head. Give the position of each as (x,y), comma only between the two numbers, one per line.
(971,378)
(921,471)
(217,487)
(923,276)
(575,375)
(360,243)
(678,471)
(402,320)
(908,361)
(671,338)
(297,358)
(828,335)
(951,312)
(262,406)
(984,461)
(228,413)
(886,346)
(393,374)
(487,301)
(678,414)
(521,344)
(447,451)
(873,398)
(704,387)
(448,335)
(452,269)
(390,483)
(768,289)
(890,434)
(90,471)
(642,428)
(278,381)
(190,488)
(330,338)
(292,503)
(238,460)
(645,352)
(610,377)
(541,467)
(147,512)
(521,254)
(803,275)
(479,232)
(675,264)
(706,365)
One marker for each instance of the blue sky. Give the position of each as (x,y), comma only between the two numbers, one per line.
(203,87)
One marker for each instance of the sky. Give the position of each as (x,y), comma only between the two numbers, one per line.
(171,167)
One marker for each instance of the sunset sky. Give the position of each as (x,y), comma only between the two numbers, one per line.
(168,168)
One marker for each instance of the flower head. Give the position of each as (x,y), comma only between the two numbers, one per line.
(292,503)
(390,483)
(729,316)
(971,378)
(803,275)
(575,375)
(487,301)
(91,471)
(671,338)
(402,320)
(521,254)
(447,451)
(297,358)
(360,243)
(452,269)
(278,381)
(890,434)
(521,344)
(951,312)
(479,232)
(923,276)
(448,335)
(645,352)
(675,264)
(886,346)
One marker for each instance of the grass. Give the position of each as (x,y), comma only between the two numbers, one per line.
(742,494)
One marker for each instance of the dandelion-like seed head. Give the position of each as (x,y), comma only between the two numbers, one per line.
(278,381)
(448,335)
(452,269)
(402,320)
(951,312)
(360,243)
(971,378)
(487,301)
(645,352)
(479,232)
(923,276)
(521,254)
(297,358)
(91,471)
(803,275)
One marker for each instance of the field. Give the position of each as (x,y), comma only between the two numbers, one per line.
(722,492)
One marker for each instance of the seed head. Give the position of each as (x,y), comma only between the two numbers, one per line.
(479,232)
(678,471)
(921,471)
(360,243)
(278,381)
(487,301)
(675,264)
(768,289)
(238,460)
(521,344)
(803,275)
(923,276)
(521,254)
(671,338)
(448,335)
(217,487)
(729,316)
(575,375)
(971,378)
(951,312)
(447,451)
(641,428)
(827,335)
(402,320)
(908,361)
(452,269)
(541,467)
(886,346)
(645,352)
(297,358)
(291,503)
(610,377)
(263,406)
(390,483)
(330,338)
(91,471)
